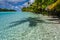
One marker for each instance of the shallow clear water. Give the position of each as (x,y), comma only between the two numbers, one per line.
(27,26)
(14,32)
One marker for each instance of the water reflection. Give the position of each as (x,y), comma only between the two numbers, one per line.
(32,22)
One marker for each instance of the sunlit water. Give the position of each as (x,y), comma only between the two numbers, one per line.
(41,31)
(15,32)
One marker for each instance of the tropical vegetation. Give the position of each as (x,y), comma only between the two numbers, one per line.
(39,6)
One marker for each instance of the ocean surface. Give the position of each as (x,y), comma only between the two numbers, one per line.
(15,25)
(27,26)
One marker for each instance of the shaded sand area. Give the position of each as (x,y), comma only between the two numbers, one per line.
(28,26)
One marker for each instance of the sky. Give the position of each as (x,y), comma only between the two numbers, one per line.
(14,4)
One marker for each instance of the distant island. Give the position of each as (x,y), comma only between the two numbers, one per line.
(6,10)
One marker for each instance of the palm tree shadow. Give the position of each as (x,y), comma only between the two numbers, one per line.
(58,20)
(32,22)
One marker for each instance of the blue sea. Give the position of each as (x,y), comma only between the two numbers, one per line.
(9,31)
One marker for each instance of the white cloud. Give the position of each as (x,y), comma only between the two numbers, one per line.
(31,1)
(26,4)
(2,2)
(16,0)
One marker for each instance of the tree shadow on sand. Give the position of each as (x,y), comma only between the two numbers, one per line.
(32,22)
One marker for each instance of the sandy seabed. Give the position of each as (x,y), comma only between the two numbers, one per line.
(43,31)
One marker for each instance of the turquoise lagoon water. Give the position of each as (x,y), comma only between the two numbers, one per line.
(22,26)
(18,32)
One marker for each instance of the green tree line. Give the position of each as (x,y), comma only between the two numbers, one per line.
(6,10)
(38,5)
